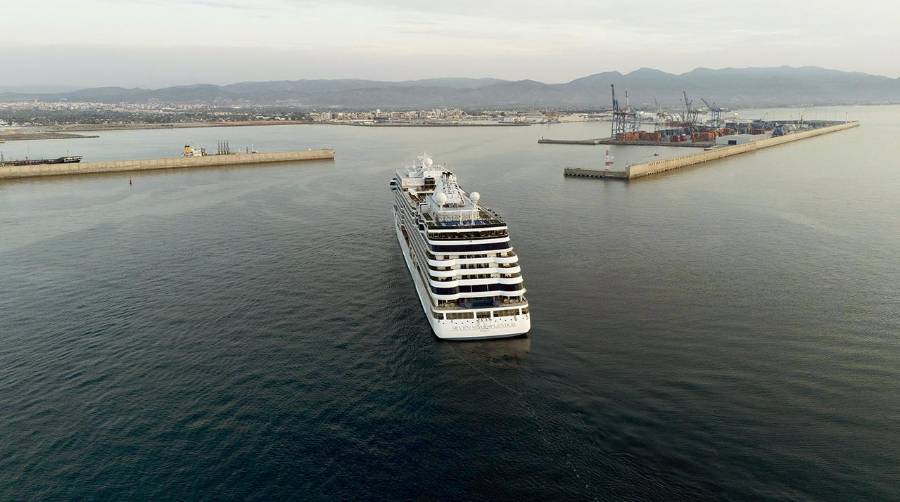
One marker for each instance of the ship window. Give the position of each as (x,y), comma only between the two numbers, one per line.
(437,315)
(459,315)
(525,311)
(483,315)
(506,313)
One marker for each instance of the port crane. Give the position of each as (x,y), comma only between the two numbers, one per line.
(714,111)
(690,115)
(624,119)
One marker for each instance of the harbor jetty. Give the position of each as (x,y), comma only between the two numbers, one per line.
(613,141)
(659,166)
(19,135)
(117,166)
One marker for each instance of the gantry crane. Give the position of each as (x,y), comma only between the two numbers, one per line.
(624,119)
(714,111)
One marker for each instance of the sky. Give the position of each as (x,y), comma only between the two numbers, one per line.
(156,43)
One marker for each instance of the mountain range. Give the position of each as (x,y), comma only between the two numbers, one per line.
(727,87)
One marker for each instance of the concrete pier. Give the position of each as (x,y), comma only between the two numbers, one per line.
(611,141)
(577,172)
(116,166)
(589,141)
(658,166)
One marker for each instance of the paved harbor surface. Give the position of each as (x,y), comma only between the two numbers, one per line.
(662,165)
(610,141)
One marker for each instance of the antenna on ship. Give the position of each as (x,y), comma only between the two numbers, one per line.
(441,199)
(475,196)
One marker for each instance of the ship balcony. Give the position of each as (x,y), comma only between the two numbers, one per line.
(486,218)
(446,262)
(482,303)
(454,282)
(474,268)
(478,244)
(515,291)
(468,236)
(482,273)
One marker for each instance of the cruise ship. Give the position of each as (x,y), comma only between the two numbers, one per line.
(458,252)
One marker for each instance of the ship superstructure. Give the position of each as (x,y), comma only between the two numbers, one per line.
(466,274)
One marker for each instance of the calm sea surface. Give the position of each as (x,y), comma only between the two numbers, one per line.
(727,331)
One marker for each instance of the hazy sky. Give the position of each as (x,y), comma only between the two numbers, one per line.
(153,43)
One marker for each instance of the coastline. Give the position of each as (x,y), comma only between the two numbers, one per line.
(37,135)
(71,131)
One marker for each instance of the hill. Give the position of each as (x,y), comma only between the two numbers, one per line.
(731,87)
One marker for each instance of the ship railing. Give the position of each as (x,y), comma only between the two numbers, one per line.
(486,218)
(476,235)
(494,305)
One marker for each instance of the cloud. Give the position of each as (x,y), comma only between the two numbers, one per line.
(398,39)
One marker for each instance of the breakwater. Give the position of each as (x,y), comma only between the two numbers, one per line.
(578,172)
(116,166)
(38,135)
(613,141)
(659,166)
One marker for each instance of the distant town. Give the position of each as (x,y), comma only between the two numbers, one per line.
(88,115)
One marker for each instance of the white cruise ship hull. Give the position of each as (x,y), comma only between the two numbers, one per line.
(461,329)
